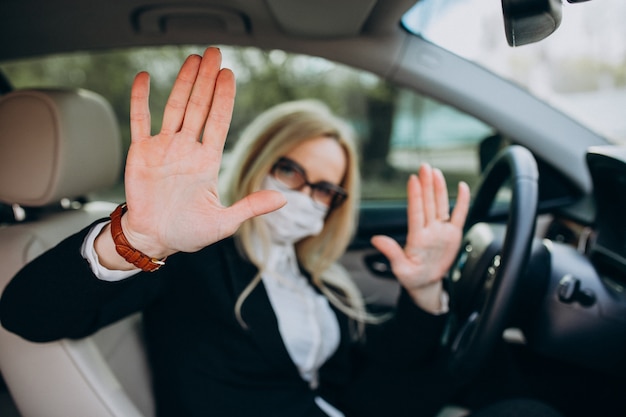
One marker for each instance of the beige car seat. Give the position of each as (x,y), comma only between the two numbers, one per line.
(56,146)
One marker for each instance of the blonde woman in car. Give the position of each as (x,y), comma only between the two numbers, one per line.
(245,309)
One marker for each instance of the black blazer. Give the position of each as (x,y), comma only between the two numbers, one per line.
(204,363)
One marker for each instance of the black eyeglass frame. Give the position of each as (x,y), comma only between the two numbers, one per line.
(340,194)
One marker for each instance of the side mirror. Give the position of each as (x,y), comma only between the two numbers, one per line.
(528,21)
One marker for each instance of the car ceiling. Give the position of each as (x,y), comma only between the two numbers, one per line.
(34,27)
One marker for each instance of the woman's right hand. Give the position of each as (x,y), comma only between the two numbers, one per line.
(171,178)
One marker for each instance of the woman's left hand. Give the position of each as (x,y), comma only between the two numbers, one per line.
(433,237)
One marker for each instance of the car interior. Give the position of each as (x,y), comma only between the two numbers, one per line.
(45,134)
(45,137)
(538,287)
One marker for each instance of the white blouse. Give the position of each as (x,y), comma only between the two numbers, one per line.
(306,322)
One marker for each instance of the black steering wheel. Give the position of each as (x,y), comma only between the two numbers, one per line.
(483,282)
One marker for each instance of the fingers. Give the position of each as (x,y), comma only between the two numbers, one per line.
(428,193)
(442,204)
(461,208)
(176,105)
(415,208)
(428,200)
(139,107)
(192,97)
(427,197)
(202,97)
(220,114)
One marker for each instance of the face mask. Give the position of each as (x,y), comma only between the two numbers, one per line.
(301,217)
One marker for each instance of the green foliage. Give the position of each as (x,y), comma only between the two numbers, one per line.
(264,78)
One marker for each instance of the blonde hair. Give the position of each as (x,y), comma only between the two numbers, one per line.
(271,135)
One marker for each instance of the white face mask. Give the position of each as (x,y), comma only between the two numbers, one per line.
(299,218)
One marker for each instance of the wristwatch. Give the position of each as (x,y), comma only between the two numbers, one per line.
(123,247)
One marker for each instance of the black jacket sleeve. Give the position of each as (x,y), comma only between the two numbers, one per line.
(399,368)
(57,296)
(409,339)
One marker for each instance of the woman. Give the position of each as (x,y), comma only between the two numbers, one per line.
(259,323)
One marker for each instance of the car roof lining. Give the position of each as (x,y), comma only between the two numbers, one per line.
(53,26)
(315,19)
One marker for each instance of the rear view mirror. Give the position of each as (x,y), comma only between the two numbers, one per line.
(528,21)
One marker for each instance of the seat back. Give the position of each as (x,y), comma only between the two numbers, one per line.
(54,145)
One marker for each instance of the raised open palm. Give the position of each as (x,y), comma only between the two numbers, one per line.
(172,177)
(433,237)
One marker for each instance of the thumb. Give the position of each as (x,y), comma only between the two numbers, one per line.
(388,247)
(256,204)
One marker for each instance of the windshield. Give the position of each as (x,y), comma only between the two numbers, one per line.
(579,69)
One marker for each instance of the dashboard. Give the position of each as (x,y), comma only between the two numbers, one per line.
(581,313)
(607,166)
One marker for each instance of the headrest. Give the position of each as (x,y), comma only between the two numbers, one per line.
(56,144)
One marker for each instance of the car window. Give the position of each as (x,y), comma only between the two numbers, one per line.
(579,69)
(427,131)
(398,129)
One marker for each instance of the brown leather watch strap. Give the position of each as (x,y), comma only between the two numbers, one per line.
(123,247)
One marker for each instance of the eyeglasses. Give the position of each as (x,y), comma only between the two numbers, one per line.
(293,176)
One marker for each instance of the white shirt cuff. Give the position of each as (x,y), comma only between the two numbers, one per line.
(445,304)
(88,252)
(327,408)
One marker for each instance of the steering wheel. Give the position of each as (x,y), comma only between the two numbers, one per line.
(484,280)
